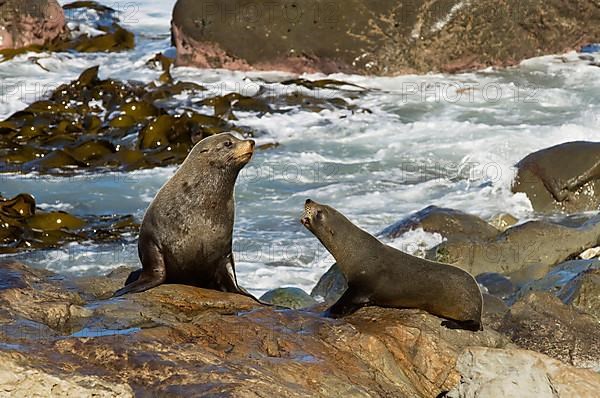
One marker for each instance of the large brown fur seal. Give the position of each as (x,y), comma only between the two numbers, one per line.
(381,275)
(186,233)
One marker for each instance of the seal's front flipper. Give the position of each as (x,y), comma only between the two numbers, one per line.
(347,304)
(153,273)
(473,326)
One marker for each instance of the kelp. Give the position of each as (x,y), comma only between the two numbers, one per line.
(99,124)
(321,84)
(23,226)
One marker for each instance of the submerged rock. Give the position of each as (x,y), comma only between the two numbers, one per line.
(562,178)
(384,37)
(289,297)
(25,23)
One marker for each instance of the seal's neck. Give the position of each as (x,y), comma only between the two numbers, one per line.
(345,242)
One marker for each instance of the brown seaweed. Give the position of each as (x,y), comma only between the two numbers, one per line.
(24,227)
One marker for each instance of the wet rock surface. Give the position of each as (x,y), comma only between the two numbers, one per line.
(564,177)
(183,340)
(386,37)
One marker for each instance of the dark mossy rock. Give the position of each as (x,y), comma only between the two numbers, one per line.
(383,37)
(562,178)
(583,292)
(289,297)
(541,322)
(496,284)
(450,223)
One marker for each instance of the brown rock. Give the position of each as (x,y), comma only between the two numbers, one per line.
(541,322)
(529,248)
(182,340)
(583,292)
(383,37)
(562,178)
(449,223)
(489,372)
(30,22)
(19,379)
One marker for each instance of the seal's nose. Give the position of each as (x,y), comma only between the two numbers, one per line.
(308,201)
(252,143)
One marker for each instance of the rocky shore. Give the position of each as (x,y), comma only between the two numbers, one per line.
(540,312)
(64,335)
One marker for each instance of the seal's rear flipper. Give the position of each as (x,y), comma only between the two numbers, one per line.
(471,325)
(153,272)
(134,276)
(346,305)
(141,285)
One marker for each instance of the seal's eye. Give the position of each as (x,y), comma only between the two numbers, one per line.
(227,144)
(319,215)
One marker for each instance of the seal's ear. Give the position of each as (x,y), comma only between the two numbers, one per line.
(331,232)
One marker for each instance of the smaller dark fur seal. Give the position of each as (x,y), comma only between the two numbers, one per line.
(383,276)
(186,233)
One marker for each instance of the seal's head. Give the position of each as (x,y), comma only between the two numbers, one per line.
(318,218)
(224,151)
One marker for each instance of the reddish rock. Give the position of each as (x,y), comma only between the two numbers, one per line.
(30,22)
(383,37)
